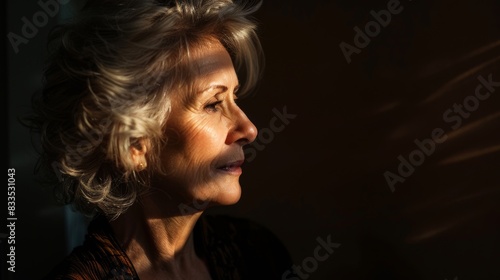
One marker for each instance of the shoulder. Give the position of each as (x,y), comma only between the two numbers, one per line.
(99,257)
(260,250)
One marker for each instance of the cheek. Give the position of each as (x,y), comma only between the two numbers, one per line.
(196,144)
(204,142)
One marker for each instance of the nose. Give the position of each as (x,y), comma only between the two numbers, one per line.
(242,131)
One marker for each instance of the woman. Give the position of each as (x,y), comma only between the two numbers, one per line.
(140,130)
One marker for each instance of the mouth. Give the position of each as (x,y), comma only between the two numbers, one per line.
(233,167)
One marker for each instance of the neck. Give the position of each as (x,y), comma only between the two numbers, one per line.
(158,239)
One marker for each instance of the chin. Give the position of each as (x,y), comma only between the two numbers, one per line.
(228,196)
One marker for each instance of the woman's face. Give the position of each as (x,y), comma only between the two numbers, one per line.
(206,133)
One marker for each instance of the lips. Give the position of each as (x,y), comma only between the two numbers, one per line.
(234,166)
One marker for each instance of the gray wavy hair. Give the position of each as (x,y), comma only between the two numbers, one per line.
(107,84)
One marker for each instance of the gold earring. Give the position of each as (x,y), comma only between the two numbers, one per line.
(142,166)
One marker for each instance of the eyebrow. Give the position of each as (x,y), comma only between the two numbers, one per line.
(220,87)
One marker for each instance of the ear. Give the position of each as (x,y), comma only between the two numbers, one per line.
(138,152)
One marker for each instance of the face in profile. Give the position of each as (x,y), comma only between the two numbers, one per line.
(206,132)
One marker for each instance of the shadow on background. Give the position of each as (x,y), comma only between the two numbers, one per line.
(325,173)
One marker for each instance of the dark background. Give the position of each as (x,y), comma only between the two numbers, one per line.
(323,175)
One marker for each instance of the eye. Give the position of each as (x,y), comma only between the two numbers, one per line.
(213,107)
(235,93)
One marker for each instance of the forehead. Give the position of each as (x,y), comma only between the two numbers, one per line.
(210,59)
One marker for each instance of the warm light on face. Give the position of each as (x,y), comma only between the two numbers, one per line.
(206,133)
